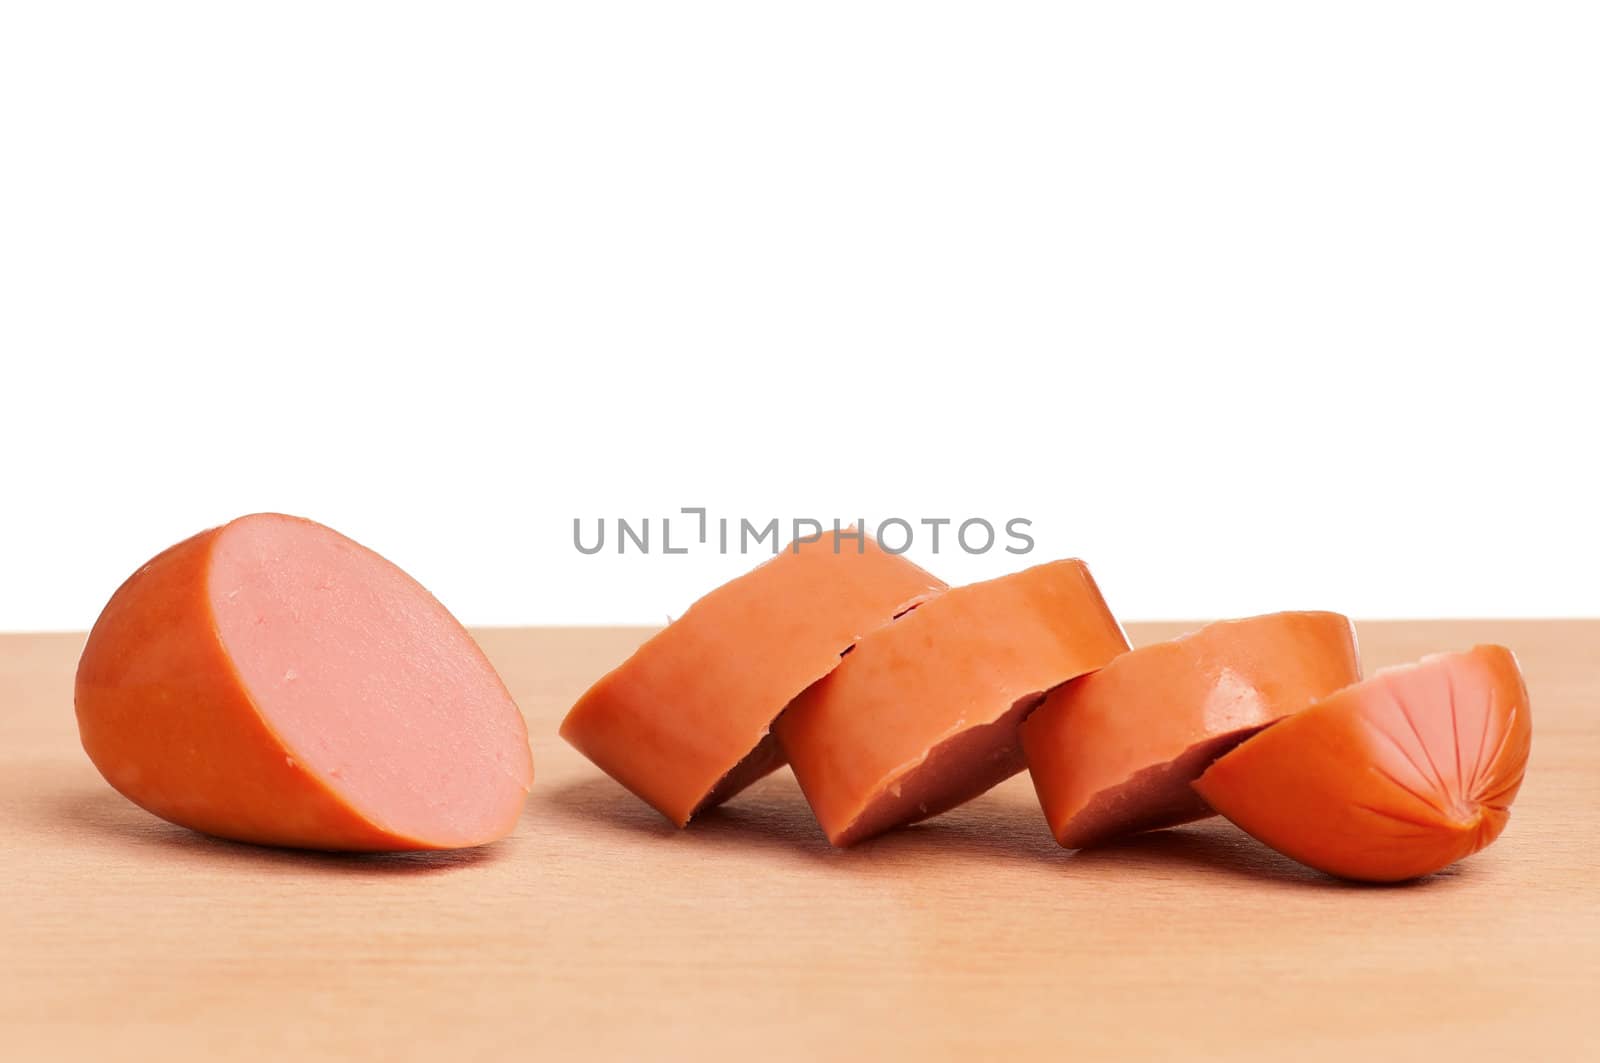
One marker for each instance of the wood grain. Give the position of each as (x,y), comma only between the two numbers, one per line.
(597,931)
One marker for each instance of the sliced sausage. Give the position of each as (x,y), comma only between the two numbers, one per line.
(1114,752)
(922,715)
(684,723)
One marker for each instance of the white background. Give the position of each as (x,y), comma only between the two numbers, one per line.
(1253,306)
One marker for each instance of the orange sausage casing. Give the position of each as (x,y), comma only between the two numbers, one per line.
(1114,752)
(271,681)
(684,723)
(1391,778)
(922,714)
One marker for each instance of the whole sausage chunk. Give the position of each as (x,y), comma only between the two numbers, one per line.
(272,681)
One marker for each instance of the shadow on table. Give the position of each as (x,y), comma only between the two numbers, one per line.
(110,817)
(768,815)
(773,815)
(1212,847)
(1218,847)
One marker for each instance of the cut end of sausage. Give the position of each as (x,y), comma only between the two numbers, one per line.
(1387,779)
(370,684)
(1154,798)
(953,773)
(766,758)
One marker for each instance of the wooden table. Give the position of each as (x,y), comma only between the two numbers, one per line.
(599,931)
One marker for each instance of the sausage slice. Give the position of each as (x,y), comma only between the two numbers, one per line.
(685,722)
(1114,752)
(922,715)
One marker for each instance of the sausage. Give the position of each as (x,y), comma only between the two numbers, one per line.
(922,715)
(272,681)
(1114,752)
(1388,779)
(685,721)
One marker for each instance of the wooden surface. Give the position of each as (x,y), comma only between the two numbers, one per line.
(598,931)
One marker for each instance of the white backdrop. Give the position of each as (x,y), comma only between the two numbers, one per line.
(1252,305)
